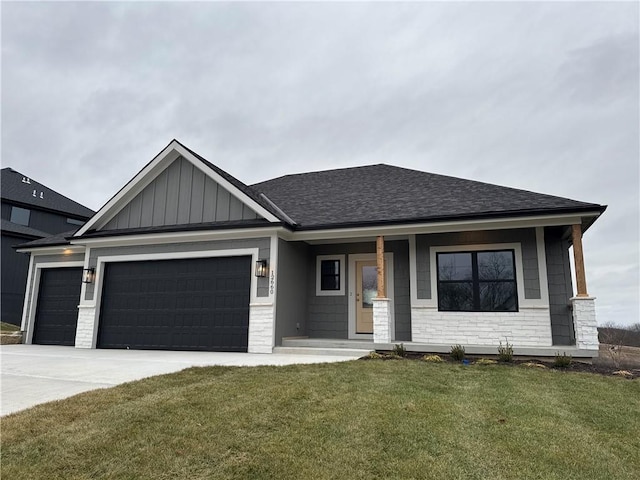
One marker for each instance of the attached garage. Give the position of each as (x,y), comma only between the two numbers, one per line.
(183,304)
(57,308)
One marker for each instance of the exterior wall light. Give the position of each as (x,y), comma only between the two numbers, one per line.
(88,275)
(261,268)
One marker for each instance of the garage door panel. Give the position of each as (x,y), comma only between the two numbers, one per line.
(187,304)
(57,306)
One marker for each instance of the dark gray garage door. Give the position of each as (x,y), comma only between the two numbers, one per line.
(190,304)
(57,308)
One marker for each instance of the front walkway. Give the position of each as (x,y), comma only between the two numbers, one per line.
(34,374)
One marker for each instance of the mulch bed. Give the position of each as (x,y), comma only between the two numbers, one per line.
(575,366)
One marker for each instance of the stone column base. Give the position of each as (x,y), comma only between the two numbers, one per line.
(584,322)
(381,320)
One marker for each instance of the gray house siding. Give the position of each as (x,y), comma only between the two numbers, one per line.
(560,287)
(526,237)
(328,315)
(263,244)
(291,308)
(181,194)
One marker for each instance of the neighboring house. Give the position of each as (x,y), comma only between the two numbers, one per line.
(29,211)
(187,257)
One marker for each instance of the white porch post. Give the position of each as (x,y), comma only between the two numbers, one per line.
(381,304)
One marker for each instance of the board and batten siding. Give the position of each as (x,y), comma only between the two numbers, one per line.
(263,244)
(180,195)
(526,238)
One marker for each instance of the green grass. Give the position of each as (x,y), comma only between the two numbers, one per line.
(357,420)
(8,327)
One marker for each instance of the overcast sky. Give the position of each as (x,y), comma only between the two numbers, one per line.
(539,96)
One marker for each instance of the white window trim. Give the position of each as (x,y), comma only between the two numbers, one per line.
(35,290)
(519,266)
(343,269)
(388,262)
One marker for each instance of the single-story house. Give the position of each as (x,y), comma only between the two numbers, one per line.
(187,257)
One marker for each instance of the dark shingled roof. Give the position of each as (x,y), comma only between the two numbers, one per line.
(17,191)
(387,194)
(21,230)
(50,241)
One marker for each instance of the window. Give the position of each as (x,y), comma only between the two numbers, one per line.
(73,221)
(20,215)
(477,281)
(330,275)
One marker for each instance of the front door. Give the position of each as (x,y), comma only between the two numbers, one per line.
(366,291)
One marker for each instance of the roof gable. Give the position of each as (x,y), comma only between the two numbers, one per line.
(21,189)
(384,193)
(179,187)
(181,194)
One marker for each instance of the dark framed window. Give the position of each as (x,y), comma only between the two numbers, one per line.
(330,275)
(20,216)
(477,281)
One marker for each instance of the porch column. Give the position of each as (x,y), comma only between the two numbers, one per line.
(381,304)
(380,262)
(581,279)
(583,306)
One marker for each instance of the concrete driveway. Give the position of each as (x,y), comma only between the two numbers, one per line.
(34,374)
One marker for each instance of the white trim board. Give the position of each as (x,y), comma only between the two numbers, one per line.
(388,261)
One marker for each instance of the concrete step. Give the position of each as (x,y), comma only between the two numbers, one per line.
(328,343)
(342,352)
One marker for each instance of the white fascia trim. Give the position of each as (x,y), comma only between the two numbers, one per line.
(28,321)
(141,180)
(441,227)
(516,247)
(150,172)
(388,261)
(178,237)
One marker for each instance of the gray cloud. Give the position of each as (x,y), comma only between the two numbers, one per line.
(539,96)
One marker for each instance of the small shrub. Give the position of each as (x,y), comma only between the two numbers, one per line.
(485,361)
(399,350)
(505,353)
(373,355)
(562,361)
(433,358)
(457,352)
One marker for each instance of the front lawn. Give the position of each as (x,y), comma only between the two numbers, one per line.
(356,420)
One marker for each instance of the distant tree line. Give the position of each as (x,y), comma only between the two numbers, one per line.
(613,334)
